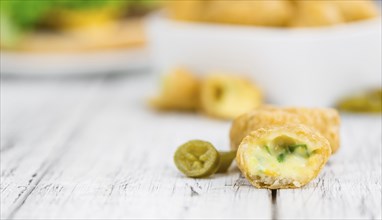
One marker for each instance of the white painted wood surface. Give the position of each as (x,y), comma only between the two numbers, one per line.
(92,149)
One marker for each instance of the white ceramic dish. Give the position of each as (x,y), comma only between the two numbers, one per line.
(79,63)
(306,67)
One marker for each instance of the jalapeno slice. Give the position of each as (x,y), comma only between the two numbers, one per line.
(197,158)
(370,101)
(282,151)
(226,159)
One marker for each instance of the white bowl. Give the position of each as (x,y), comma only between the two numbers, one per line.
(305,67)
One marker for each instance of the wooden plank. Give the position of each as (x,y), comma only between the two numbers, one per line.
(36,120)
(350,185)
(104,154)
(121,167)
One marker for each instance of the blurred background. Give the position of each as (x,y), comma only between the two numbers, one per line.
(96,96)
(306,53)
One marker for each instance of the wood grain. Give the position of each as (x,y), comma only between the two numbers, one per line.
(34,133)
(350,185)
(92,149)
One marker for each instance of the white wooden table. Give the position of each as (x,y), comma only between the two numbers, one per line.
(92,149)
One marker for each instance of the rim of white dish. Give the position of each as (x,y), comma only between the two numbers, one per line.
(355,27)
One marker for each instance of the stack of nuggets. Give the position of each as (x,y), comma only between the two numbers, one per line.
(276,13)
(284,147)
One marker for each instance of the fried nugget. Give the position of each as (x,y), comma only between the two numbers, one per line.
(228,96)
(316,13)
(191,10)
(357,10)
(261,13)
(249,12)
(180,91)
(282,156)
(324,120)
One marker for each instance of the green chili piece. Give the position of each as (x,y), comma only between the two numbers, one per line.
(197,158)
(226,159)
(293,147)
(267,148)
(300,149)
(366,102)
(281,158)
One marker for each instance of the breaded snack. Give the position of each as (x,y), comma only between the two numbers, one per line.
(324,120)
(249,12)
(228,96)
(261,13)
(354,10)
(191,10)
(276,13)
(283,156)
(316,13)
(180,91)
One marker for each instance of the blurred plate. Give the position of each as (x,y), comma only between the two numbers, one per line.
(80,63)
(113,47)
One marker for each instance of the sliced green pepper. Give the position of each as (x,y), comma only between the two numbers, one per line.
(268,150)
(299,149)
(226,159)
(293,147)
(369,101)
(281,157)
(198,159)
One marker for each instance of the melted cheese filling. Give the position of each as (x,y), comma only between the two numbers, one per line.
(282,157)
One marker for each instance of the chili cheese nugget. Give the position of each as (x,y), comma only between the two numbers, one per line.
(180,91)
(324,120)
(357,9)
(186,10)
(316,13)
(249,12)
(227,96)
(282,157)
(262,13)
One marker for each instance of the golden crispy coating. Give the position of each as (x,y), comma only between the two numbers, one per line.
(324,120)
(262,13)
(279,13)
(316,13)
(248,122)
(186,10)
(353,10)
(227,96)
(180,91)
(283,156)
